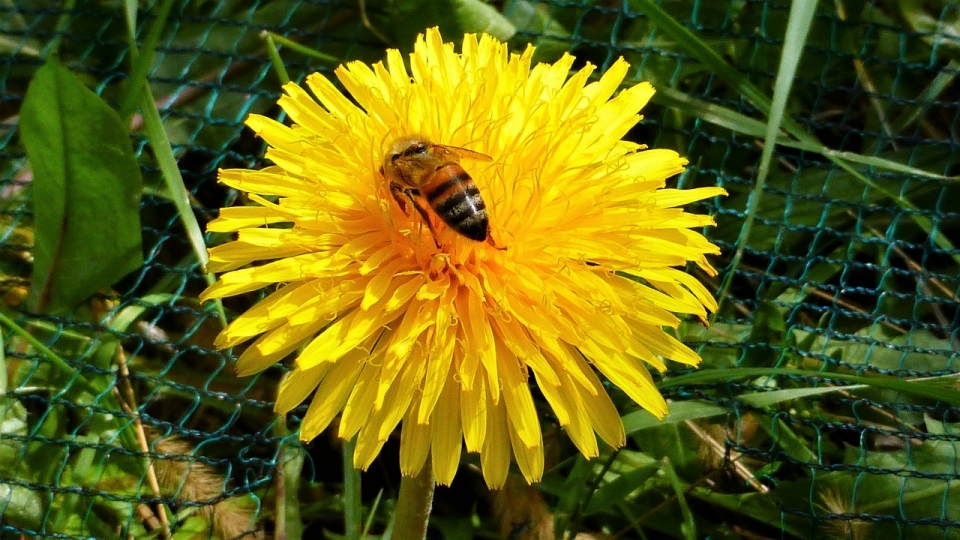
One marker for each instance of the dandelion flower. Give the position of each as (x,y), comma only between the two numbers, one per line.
(584,270)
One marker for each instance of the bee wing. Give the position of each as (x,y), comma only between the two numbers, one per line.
(464,153)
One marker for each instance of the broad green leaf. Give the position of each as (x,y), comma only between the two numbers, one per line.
(535,19)
(923,490)
(73,504)
(13,426)
(481,18)
(768,328)
(454,17)
(22,507)
(86,191)
(919,351)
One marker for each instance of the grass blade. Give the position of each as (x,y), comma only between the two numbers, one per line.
(143,60)
(798,28)
(689,42)
(168,163)
(293,45)
(275,59)
(928,388)
(740,123)
(178,191)
(688,527)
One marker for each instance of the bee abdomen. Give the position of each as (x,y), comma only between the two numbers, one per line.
(458,203)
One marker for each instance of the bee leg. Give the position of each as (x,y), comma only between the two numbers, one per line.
(493,243)
(426,219)
(399,192)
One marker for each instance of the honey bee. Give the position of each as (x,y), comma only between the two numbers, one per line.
(416,167)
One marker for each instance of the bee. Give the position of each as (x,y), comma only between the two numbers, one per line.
(416,167)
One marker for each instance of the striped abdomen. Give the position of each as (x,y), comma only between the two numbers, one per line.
(455,198)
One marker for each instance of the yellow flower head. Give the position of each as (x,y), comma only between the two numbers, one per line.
(581,270)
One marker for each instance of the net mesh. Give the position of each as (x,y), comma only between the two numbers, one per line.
(838,273)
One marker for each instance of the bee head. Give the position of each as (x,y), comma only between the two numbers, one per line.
(416,148)
(409,161)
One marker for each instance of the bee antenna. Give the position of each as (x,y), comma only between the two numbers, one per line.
(383,143)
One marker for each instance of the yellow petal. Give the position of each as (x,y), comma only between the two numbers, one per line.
(343,336)
(256,320)
(367,448)
(631,377)
(447,436)
(495,453)
(274,346)
(330,396)
(397,401)
(529,457)
(297,385)
(242,217)
(406,349)
(473,414)
(415,439)
(360,403)
(438,369)
(382,283)
(265,182)
(516,394)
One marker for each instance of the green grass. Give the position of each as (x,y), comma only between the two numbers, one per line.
(826,403)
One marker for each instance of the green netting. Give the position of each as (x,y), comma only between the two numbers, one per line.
(841,273)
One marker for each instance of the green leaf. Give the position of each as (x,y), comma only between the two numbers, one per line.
(86,191)
(574,490)
(918,351)
(801,15)
(142,62)
(740,123)
(697,48)
(13,427)
(611,493)
(790,442)
(688,528)
(905,490)
(552,38)
(765,399)
(768,328)
(454,17)
(22,507)
(680,411)
(167,163)
(479,17)
(757,506)
(926,389)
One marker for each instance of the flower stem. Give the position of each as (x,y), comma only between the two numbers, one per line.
(414,504)
(352,507)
